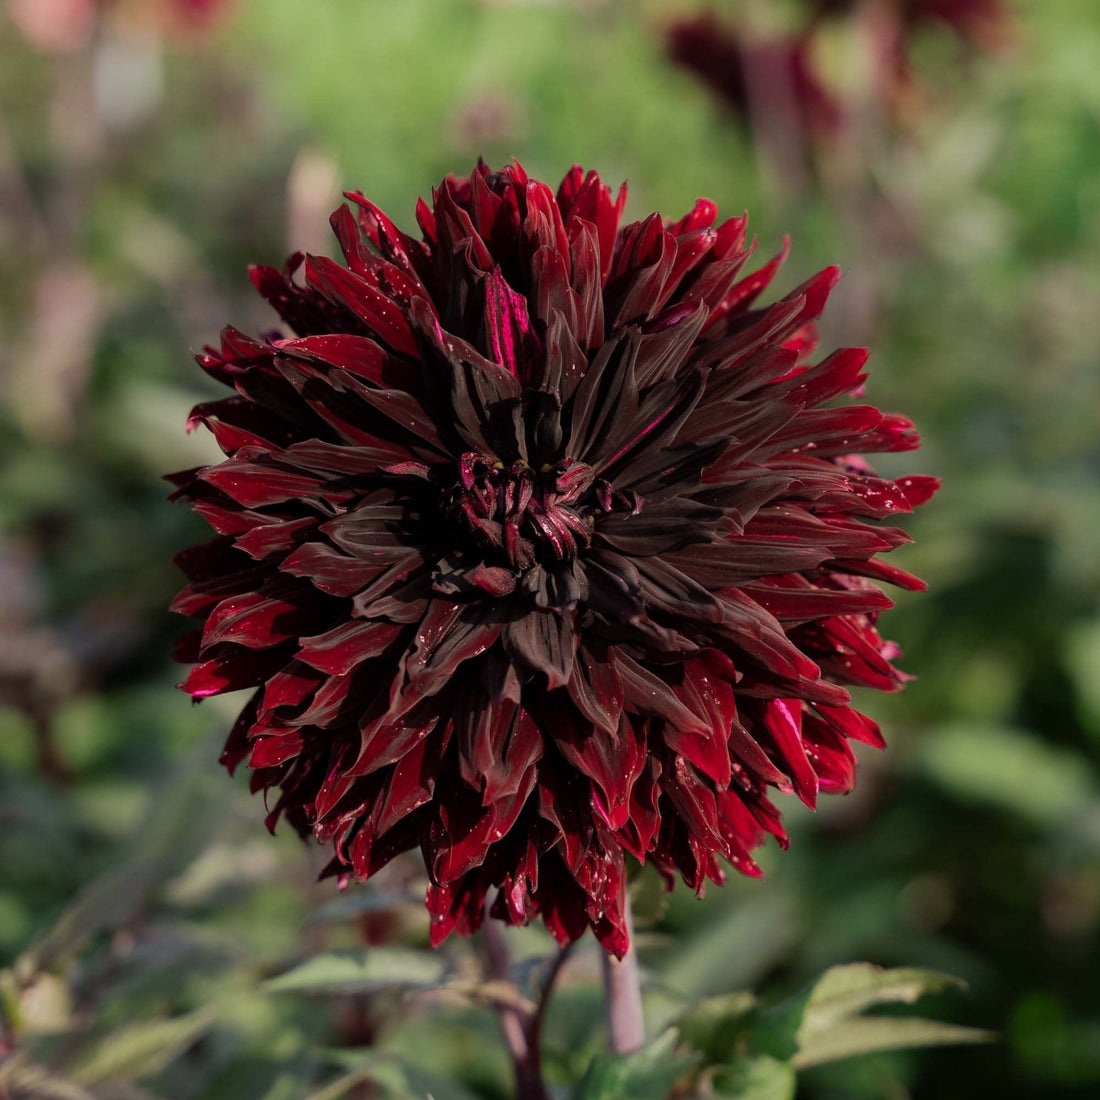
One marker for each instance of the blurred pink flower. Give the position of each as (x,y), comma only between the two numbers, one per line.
(66,26)
(54,26)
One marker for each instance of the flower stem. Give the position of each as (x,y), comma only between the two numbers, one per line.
(623,995)
(520,1036)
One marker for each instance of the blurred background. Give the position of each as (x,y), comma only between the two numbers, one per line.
(946,153)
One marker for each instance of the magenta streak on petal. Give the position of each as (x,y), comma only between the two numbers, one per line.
(551,532)
(507,320)
(637,439)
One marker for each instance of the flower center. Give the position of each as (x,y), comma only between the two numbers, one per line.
(532,515)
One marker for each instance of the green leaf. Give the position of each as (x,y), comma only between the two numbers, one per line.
(389,1078)
(1083,663)
(848,990)
(832,1028)
(775,1031)
(1009,769)
(287,1086)
(422,1083)
(139,1050)
(715,1025)
(733,951)
(361,972)
(869,1034)
(19,1078)
(821,1024)
(648,1074)
(758,1078)
(397,1078)
(175,828)
(105,902)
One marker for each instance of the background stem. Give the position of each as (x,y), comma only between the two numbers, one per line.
(521,1038)
(623,995)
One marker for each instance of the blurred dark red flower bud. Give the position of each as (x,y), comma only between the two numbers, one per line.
(754,75)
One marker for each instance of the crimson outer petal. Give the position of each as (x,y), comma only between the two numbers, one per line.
(538,542)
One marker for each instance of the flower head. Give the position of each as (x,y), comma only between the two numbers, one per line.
(538,544)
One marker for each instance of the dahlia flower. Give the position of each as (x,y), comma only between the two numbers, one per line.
(539,544)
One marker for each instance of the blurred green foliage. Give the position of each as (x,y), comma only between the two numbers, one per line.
(973,261)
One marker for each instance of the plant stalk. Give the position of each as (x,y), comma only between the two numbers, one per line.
(520,1037)
(623,995)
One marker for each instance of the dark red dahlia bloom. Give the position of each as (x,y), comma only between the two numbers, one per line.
(736,70)
(540,544)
